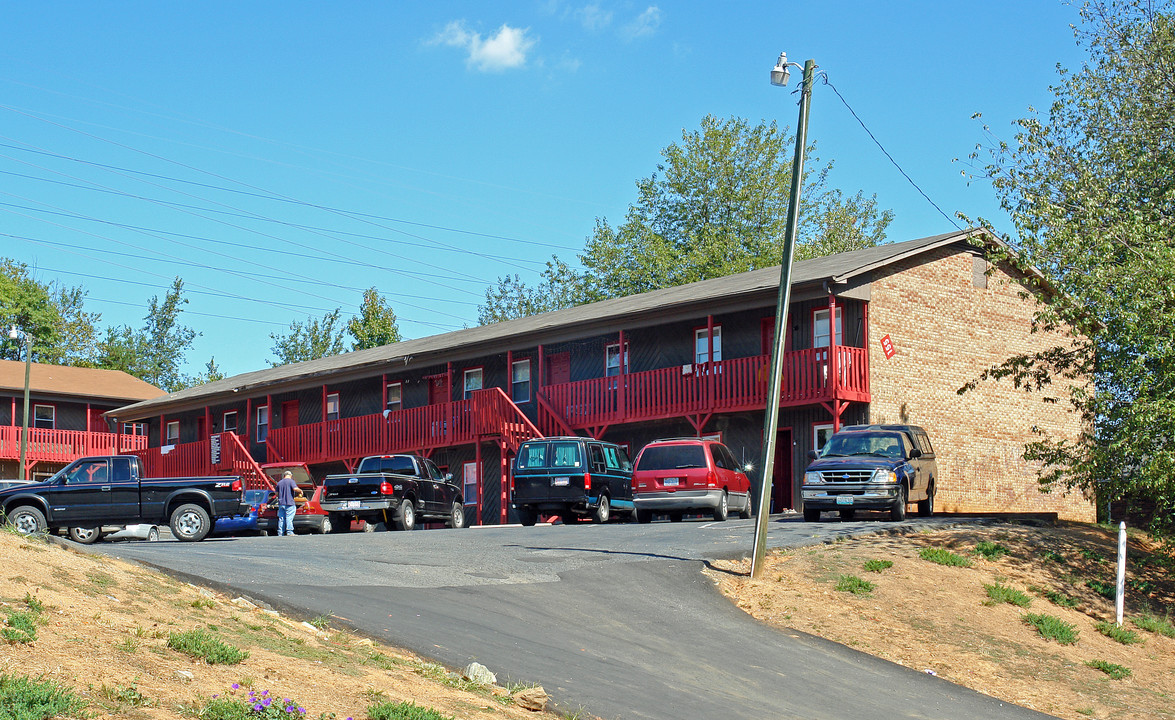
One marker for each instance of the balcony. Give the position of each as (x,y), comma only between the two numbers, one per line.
(64,446)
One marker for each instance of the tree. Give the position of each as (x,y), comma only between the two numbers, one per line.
(716,205)
(375,324)
(1090,188)
(310,340)
(156,352)
(63,333)
(211,373)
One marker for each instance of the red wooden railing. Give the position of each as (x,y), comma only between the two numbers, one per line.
(487,413)
(194,459)
(46,445)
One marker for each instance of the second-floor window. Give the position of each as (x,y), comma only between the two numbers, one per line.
(230,422)
(395,396)
(702,345)
(262,423)
(820,330)
(612,359)
(44,416)
(332,406)
(520,381)
(173,432)
(134,428)
(473,378)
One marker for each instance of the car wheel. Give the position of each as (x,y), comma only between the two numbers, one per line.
(723,510)
(406,516)
(926,507)
(811,514)
(28,520)
(325,526)
(457,515)
(190,523)
(527,517)
(676,517)
(644,516)
(745,513)
(153,534)
(848,514)
(85,535)
(898,512)
(603,510)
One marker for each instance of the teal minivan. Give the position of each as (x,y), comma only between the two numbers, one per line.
(572,477)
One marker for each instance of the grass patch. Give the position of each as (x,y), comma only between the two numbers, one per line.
(942,556)
(1117,672)
(19,627)
(854,585)
(1053,556)
(1121,634)
(1105,589)
(127,645)
(22,698)
(1056,597)
(1153,623)
(128,695)
(878,565)
(998,593)
(403,711)
(34,603)
(200,603)
(322,622)
(202,645)
(991,550)
(1053,628)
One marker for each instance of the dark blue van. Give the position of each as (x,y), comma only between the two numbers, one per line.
(572,477)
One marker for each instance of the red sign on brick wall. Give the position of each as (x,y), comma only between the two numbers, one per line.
(887,347)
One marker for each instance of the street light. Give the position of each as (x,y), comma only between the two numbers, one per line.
(779,76)
(16,334)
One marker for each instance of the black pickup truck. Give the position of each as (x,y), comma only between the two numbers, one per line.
(111,490)
(395,489)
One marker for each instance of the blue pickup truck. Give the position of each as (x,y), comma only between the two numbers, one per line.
(110,490)
(871,467)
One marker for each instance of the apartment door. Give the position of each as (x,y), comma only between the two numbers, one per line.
(559,368)
(290,413)
(437,390)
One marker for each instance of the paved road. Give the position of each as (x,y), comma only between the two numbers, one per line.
(617,620)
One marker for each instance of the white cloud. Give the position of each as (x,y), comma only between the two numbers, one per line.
(502,51)
(645,24)
(593,17)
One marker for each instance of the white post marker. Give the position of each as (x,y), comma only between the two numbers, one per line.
(1121,570)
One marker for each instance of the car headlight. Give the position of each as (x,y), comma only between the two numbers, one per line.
(881,475)
(813,478)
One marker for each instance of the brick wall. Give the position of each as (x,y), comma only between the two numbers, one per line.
(945,332)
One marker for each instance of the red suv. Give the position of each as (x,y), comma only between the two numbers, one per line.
(688,475)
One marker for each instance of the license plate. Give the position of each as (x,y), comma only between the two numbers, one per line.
(352,505)
(844,499)
(560,482)
(670,482)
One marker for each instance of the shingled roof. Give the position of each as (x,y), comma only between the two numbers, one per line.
(76,382)
(551,327)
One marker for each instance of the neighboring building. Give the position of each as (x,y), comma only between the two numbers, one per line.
(66,407)
(885,334)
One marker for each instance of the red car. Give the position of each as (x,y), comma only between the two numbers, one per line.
(309,517)
(688,475)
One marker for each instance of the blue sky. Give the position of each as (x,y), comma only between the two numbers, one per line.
(283,156)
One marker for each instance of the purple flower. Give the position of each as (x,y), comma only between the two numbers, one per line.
(258,707)
(236,686)
(266,702)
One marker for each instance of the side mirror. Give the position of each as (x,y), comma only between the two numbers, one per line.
(448,477)
(915,454)
(813,455)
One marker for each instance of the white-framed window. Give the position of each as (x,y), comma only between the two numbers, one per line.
(473,381)
(520,381)
(44,416)
(332,406)
(820,332)
(469,475)
(820,435)
(262,423)
(395,396)
(230,422)
(133,428)
(612,359)
(173,432)
(702,345)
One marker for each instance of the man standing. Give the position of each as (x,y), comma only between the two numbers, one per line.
(286,505)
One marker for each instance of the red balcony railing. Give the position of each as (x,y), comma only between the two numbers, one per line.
(487,413)
(195,459)
(65,446)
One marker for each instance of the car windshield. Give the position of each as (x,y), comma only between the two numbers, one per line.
(671,457)
(859,443)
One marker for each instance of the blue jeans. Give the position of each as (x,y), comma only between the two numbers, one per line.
(285,519)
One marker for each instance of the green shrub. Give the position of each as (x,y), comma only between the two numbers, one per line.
(990,550)
(19,627)
(1055,597)
(1153,623)
(878,565)
(942,556)
(253,706)
(1053,628)
(854,584)
(1052,556)
(1121,634)
(22,698)
(1004,594)
(1117,672)
(202,645)
(403,711)
(1105,589)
